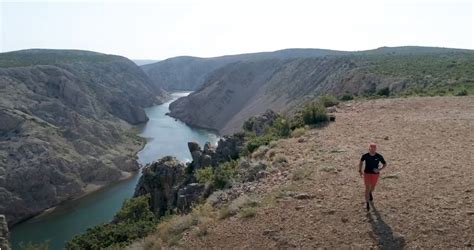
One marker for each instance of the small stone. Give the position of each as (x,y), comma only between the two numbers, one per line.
(301,140)
(330,212)
(344,219)
(269,231)
(299,207)
(303,196)
(386,138)
(470,212)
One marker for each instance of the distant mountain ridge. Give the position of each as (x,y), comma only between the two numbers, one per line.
(65,117)
(239,90)
(189,73)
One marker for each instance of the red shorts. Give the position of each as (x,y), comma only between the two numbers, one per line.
(371,179)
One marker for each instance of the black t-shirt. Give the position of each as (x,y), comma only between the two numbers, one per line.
(372,162)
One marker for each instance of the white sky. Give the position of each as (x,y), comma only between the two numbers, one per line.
(162,29)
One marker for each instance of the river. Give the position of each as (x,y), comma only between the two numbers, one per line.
(165,136)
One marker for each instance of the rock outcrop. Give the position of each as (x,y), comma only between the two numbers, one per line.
(173,185)
(162,179)
(4,234)
(257,124)
(233,93)
(65,124)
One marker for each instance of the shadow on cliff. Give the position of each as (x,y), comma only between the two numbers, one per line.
(384,235)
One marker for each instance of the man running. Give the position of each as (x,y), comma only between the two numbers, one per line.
(371,171)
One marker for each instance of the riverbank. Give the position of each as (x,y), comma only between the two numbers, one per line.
(91,188)
(163,136)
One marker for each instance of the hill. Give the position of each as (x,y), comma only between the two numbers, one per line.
(233,93)
(189,73)
(65,125)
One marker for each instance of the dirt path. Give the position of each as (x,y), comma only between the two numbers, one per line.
(424,198)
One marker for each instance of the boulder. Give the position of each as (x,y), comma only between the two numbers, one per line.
(257,124)
(189,195)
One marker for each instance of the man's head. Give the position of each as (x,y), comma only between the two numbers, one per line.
(372,148)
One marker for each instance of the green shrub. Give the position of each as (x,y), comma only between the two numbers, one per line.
(224,174)
(133,221)
(328,100)
(297,121)
(248,124)
(314,113)
(282,127)
(220,176)
(204,175)
(462,92)
(384,92)
(347,97)
(257,141)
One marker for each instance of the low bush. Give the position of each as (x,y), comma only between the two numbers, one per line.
(219,177)
(257,141)
(346,97)
(328,100)
(133,221)
(462,92)
(314,113)
(384,92)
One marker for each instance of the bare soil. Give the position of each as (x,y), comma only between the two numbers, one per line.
(424,198)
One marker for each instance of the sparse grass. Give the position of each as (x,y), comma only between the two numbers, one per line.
(328,169)
(280,159)
(225,213)
(152,242)
(298,132)
(170,229)
(248,212)
(270,154)
(301,174)
(260,152)
(272,144)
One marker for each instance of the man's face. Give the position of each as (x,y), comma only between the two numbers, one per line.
(372,149)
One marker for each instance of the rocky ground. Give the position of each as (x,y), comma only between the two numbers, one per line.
(424,197)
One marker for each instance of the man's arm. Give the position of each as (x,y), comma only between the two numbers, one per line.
(360,168)
(384,163)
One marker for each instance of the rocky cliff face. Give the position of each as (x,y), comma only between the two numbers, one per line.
(237,91)
(190,73)
(4,234)
(172,185)
(64,125)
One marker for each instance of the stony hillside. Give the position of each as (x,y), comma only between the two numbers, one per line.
(65,125)
(311,195)
(189,73)
(233,93)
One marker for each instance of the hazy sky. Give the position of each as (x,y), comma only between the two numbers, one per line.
(162,29)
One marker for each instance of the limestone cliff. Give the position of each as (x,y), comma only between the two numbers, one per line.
(64,125)
(4,234)
(237,91)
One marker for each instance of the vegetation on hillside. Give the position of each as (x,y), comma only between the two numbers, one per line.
(134,220)
(32,57)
